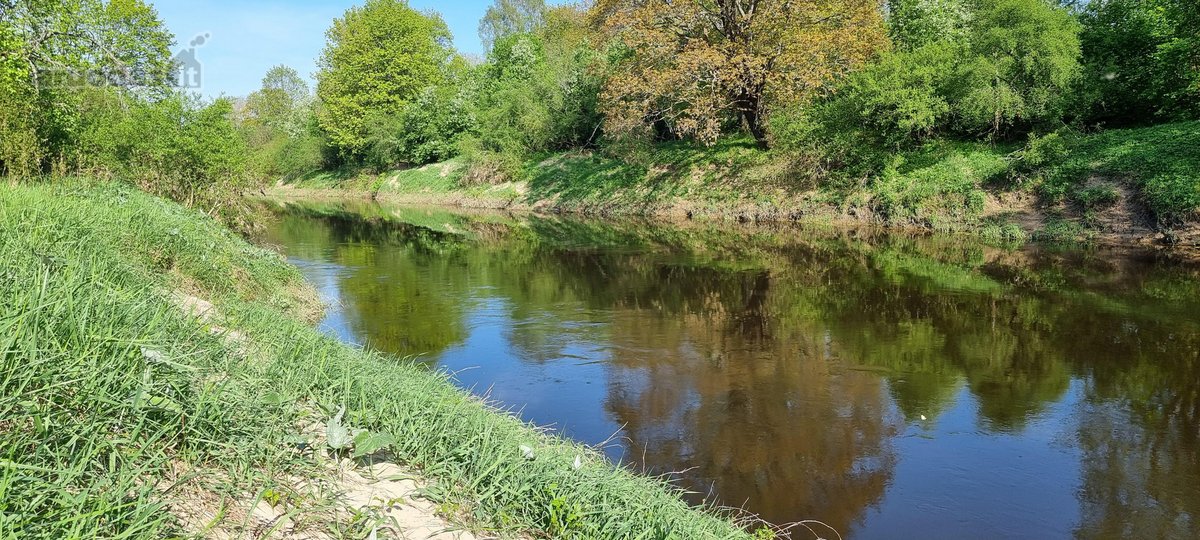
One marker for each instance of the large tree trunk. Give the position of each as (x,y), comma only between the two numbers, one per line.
(749,106)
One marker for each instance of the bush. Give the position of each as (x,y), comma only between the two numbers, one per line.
(177,146)
(931,195)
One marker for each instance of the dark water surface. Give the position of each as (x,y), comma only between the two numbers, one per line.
(889,386)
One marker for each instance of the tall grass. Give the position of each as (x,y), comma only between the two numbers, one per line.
(107,386)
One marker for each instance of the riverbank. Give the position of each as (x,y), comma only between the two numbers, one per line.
(162,378)
(1120,187)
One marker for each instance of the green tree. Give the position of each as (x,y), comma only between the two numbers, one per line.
(508,17)
(1141,60)
(377,58)
(1024,59)
(913,23)
(1013,71)
(52,52)
(426,129)
(283,92)
(537,92)
(278,123)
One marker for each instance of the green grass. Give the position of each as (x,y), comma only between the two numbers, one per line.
(1162,161)
(939,186)
(650,176)
(106,384)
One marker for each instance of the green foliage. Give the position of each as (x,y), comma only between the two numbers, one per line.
(176,146)
(1141,60)
(425,129)
(937,187)
(915,23)
(507,17)
(377,58)
(1097,197)
(54,55)
(1163,162)
(1024,56)
(538,91)
(1008,74)
(901,98)
(280,103)
(279,125)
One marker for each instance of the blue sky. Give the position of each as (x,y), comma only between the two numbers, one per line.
(248,37)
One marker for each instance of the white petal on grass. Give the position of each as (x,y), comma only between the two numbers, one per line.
(152,355)
(578,462)
(527,452)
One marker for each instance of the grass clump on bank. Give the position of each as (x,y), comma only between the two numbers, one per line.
(109,389)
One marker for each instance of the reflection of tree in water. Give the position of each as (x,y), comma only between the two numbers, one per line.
(760,420)
(1140,434)
(759,364)
(390,300)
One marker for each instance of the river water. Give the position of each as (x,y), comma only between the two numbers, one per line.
(889,386)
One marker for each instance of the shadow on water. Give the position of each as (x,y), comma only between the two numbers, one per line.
(887,385)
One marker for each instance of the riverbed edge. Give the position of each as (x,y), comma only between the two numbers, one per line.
(1182,243)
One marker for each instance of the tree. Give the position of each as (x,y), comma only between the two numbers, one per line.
(508,17)
(377,58)
(53,54)
(1024,57)
(913,23)
(690,65)
(275,105)
(537,92)
(1141,60)
(278,125)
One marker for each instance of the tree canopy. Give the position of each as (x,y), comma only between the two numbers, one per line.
(377,58)
(690,65)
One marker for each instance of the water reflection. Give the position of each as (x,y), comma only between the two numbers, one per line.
(890,386)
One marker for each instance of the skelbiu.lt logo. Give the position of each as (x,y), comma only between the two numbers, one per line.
(189,72)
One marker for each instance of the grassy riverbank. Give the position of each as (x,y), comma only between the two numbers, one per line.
(122,413)
(1122,185)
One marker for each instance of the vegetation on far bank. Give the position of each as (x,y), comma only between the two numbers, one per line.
(909,109)
(110,389)
(1070,180)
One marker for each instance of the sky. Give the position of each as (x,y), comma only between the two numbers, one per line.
(246,38)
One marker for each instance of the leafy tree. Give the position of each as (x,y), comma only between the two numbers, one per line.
(1010,72)
(283,93)
(427,128)
(377,58)
(913,23)
(508,17)
(177,146)
(1141,60)
(52,51)
(278,123)
(537,92)
(1024,56)
(691,65)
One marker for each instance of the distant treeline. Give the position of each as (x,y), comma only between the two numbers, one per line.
(837,84)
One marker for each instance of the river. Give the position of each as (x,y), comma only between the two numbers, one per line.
(887,385)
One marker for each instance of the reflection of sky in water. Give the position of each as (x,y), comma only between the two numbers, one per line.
(324,276)
(939,475)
